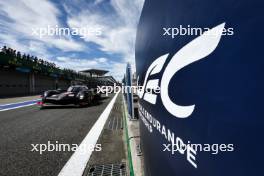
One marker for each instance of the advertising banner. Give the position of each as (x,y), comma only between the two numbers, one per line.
(200,65)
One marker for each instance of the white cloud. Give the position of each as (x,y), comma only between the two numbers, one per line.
(116,69)
(81,64)
(23,16)
(7,39)
(102,60)
(118,25)
(118,30)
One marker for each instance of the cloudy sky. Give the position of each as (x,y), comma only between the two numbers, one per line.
(110,48)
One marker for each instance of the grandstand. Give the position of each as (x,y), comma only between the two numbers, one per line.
(26,74)
(25,63)
(94,72)
(99,76)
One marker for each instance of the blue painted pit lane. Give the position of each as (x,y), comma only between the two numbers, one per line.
(5,107)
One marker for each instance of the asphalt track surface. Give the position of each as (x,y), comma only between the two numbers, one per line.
(19,128)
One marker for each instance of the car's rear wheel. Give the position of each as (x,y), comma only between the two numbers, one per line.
(83,104)
(90,99)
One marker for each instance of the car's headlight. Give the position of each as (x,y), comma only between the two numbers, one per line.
(45,94)
(71,95)
(81,97)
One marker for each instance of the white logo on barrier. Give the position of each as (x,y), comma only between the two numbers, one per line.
(195,50)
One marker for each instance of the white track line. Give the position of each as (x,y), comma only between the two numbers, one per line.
(76,164)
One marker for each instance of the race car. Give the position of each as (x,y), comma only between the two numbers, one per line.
(77,95)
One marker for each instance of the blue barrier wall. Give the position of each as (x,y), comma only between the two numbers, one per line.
(129,96)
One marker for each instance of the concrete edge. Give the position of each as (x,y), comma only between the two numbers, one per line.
(135,161)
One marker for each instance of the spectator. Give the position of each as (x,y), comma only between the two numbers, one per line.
(4,49)
(35,59)
(18,54)
(18,59)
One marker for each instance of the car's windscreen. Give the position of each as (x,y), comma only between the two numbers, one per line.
(74,89)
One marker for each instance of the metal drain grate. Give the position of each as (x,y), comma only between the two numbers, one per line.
(116,107)
(107,170)
(115,123)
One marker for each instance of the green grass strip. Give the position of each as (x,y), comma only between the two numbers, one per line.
(131,170)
